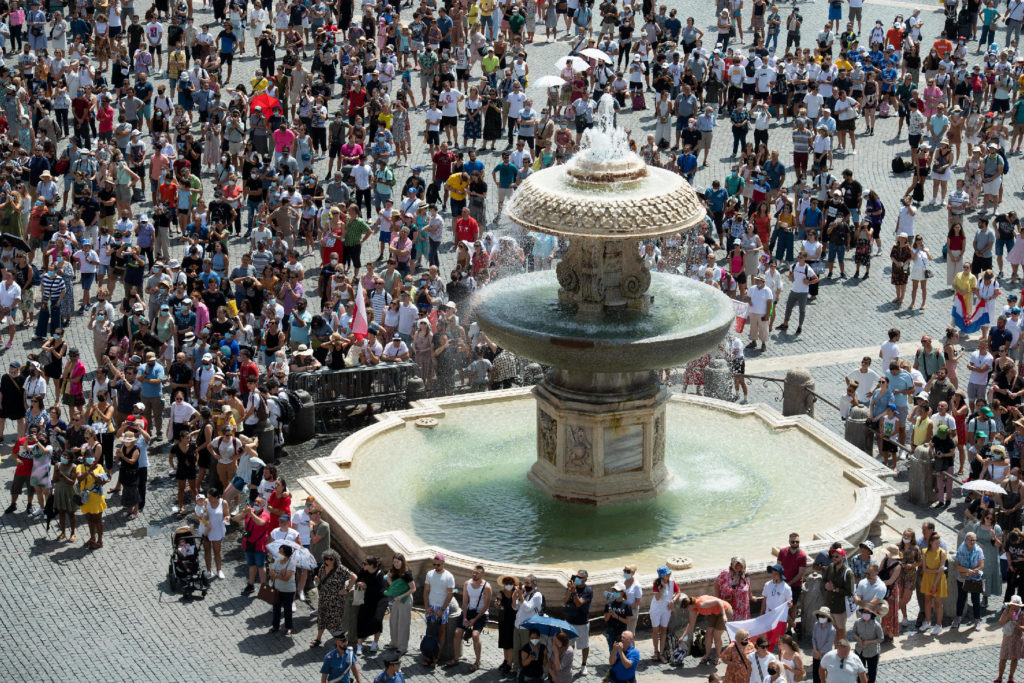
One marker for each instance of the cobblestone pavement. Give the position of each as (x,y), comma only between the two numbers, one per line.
(109,615)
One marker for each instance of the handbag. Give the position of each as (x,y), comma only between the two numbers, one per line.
(358,596)
(268,595)
(974,585)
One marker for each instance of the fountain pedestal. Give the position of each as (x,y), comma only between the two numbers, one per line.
(600,437)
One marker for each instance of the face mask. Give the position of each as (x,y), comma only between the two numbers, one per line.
(627,577)
(101,317)
(89,461)
(866,616)
(257,509)
(822,620)
(510,587)
(578,581)
(534,641)
(63,461)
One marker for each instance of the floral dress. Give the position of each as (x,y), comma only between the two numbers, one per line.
(973,174)
(67,304)
(474,120)
(902,255)
(735,591)
(40,475)
(694,371)
(331,608)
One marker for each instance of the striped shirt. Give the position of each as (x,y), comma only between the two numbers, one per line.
(802,141)
(52,286)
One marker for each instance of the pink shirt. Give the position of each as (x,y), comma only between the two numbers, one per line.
(17,17)
(282,139)
(158,163)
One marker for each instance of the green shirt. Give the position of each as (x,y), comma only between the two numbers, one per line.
(427,62)
(903,93)
(355,230)
(515,23)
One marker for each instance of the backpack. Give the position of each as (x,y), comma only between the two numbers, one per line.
(883,109)
(261,408)
(285,406)
(698,647)
(430,647)
(900,166)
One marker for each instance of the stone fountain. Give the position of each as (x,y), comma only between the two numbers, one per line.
(601,406)
(568,474)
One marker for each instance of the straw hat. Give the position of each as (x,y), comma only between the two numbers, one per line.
(892,551)
(824,612)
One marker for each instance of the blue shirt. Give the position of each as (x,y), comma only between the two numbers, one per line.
(969,558)
(620,672)
(900,382)
(155,372)
(716,198)
(687,164)
(337,666)
(507,174)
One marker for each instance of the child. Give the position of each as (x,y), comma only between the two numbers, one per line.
(385,219)
(479,372)
(849,400)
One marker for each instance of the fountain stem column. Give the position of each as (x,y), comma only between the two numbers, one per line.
(598,276)
(600,436)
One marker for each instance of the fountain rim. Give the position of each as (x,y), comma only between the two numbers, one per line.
(871,492)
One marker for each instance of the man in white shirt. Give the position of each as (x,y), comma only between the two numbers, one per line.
(440,587)
(760,298)
(890,350)
(866,379)
(802,276)
(979,365)
(10,298)
(776,592)
(449,99)
(842,666)
(396,351)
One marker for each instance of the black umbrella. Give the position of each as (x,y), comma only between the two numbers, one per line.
(8,240)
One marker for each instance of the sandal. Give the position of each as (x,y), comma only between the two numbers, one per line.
(61,537)
(474,666)
(74,537)
(315,643)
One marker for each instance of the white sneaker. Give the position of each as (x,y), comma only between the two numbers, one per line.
(207,574)
(373,648)
(977,624)
(905,623)
(584,671)
(220,574)
(234,511)
(359,651)
(937,630)
(925,627)
(853,151)
(174,509)
(38,512)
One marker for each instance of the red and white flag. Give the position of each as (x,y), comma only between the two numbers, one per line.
(771,625)
(359,324)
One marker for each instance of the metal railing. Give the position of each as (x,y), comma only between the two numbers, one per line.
(333,391)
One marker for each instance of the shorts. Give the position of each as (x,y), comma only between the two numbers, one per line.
(227,58)
(238,483)
(705,139)
(87,280)
(582,640)
(836,252)
(1000,105)
(1003,244)
(479,626)
(443,619)
(716,622)
(449,121)
(334,151)
(255,558)
(739,366)
(35,242)
(847,124)
(235,148)
(660,617)
(385,238)
(504,193)
(915,141)
(992,186)
(901,413)
(155,48)
(433,137)
(18,483)
(457,206)
(123,193)
(147,112)
(462,74)
(854,13)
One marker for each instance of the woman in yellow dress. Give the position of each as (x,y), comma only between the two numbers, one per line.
(90,477)
(933,583)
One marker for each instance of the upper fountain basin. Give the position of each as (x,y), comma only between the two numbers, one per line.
(613,199)
(686,319)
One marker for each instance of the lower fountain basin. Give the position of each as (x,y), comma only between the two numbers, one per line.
(686,320)
(461,488)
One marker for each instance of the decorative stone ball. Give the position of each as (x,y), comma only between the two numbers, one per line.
(679,562)
(427,422)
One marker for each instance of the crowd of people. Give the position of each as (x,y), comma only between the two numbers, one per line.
(211,231)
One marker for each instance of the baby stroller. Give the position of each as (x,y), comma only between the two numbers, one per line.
(184,572)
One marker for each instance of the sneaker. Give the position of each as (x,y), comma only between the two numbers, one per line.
(853,152)
(359,651)
(220,574)
(38,512)
(249,588)
(956,624)
(207,574)
(937,630)
(373,648)
(313,612)
(29,509)
(235,510)
(925,627)
(175,509)
(977,624)
(905,624)
(584,671)
(9,509)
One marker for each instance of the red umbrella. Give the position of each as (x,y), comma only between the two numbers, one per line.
(267,102)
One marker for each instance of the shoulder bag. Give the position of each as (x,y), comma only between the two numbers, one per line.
(268,595)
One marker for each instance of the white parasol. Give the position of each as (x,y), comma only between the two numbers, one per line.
(303,558)
(599,55)
(984,486)
(548,82)
(575,62)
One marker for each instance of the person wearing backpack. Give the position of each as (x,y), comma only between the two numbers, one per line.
(256,409)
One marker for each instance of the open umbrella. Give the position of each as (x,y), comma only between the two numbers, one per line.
(549,626)
(599,55)
(7,239)
(575,62)
(548,82)
(984,486)
(303,558)
(266,102)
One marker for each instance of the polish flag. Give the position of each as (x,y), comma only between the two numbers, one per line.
(359,325)
(771,625)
